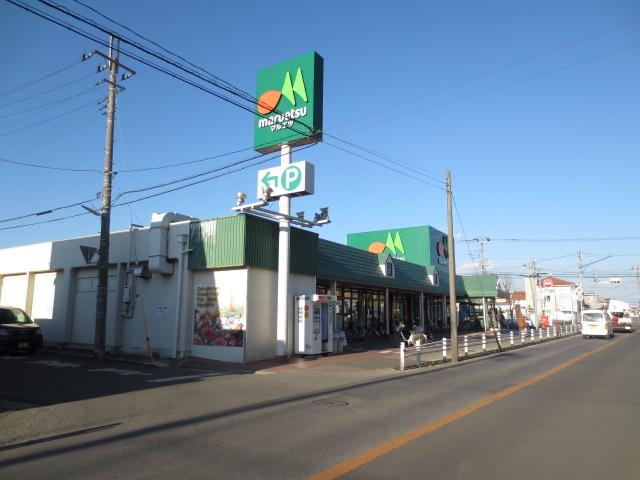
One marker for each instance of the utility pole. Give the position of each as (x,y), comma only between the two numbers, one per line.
(105,215)
(580,297)
(483,262)
(637,269)
(533,284)
(580,268)
(452,277)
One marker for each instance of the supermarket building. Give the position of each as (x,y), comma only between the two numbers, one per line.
(207,288)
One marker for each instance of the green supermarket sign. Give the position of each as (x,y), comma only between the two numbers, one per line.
(289,106)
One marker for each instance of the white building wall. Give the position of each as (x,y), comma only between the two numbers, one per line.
(54,283)
(56,286)
(254,292)
(14,291)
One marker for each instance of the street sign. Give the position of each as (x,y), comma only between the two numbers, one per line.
(547,282)
(296,179)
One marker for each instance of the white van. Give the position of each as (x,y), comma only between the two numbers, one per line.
(596,323)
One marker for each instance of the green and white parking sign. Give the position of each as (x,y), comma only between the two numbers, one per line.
(295,180)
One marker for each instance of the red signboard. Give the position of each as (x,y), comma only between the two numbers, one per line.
(547,282)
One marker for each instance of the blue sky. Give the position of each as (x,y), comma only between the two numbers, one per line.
(532,107)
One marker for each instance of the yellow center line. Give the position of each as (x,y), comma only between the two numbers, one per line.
(395,443)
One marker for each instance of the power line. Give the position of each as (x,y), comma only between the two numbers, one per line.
(229,88)
(51,135)
(491,72)
(308,131)
(52,104)
(47,91)
(57,117)
(46,212)
(380,164)
(553,240)
(493,89)
(158,45)
(48,167)
(239,164)
(33,82)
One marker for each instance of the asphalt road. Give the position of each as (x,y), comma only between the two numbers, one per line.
(563,409)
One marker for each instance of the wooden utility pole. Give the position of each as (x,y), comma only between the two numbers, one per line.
(105,214)
(453,321)
(105,217)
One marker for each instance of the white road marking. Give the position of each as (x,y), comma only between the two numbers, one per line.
(186,377)
(120,372)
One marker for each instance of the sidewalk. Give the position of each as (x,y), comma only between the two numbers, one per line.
(355,357)
(364,356)
(359,356)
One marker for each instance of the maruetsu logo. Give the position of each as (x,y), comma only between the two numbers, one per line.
(268,102)
(394,245)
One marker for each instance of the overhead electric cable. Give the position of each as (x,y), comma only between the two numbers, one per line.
(46,221)
(497,70)
(406,165)
(52,104)
(37,214)
(33,82)
(232,90)
(46,91)
(159,46)
(50,168)
(57,117)
(180,164)
(583,239)
(381,164)
(52,135)
(492,89)
(264,158)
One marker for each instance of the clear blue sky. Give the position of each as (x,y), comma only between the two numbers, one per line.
(532,106)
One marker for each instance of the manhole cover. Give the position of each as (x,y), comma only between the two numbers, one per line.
(330,403)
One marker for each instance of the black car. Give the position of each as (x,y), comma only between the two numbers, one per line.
(18,331)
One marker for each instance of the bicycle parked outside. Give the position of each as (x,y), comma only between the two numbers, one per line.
(415,337)
(359,332)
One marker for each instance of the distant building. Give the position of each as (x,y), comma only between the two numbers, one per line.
(551,297)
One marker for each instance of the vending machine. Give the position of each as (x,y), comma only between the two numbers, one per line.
(314,324)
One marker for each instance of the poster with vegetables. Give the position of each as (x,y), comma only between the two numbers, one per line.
(218,320)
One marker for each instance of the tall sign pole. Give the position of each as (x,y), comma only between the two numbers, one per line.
(282,314)
(289,114)
(105,224)
(452,278)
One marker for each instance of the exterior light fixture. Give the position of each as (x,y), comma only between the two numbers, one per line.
(300,214)
(91,210)
(323,216)
(240,198)
(266,193)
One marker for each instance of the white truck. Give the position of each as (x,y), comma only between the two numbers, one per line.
(621,316)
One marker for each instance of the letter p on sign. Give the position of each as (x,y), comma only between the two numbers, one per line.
(291,178)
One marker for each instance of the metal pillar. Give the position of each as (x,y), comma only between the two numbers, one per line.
(282,338)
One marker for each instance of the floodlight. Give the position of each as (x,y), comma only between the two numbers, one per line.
(266,192)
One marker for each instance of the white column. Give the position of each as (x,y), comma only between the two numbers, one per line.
(283,268)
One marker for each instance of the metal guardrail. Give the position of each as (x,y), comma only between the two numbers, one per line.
(482,344)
